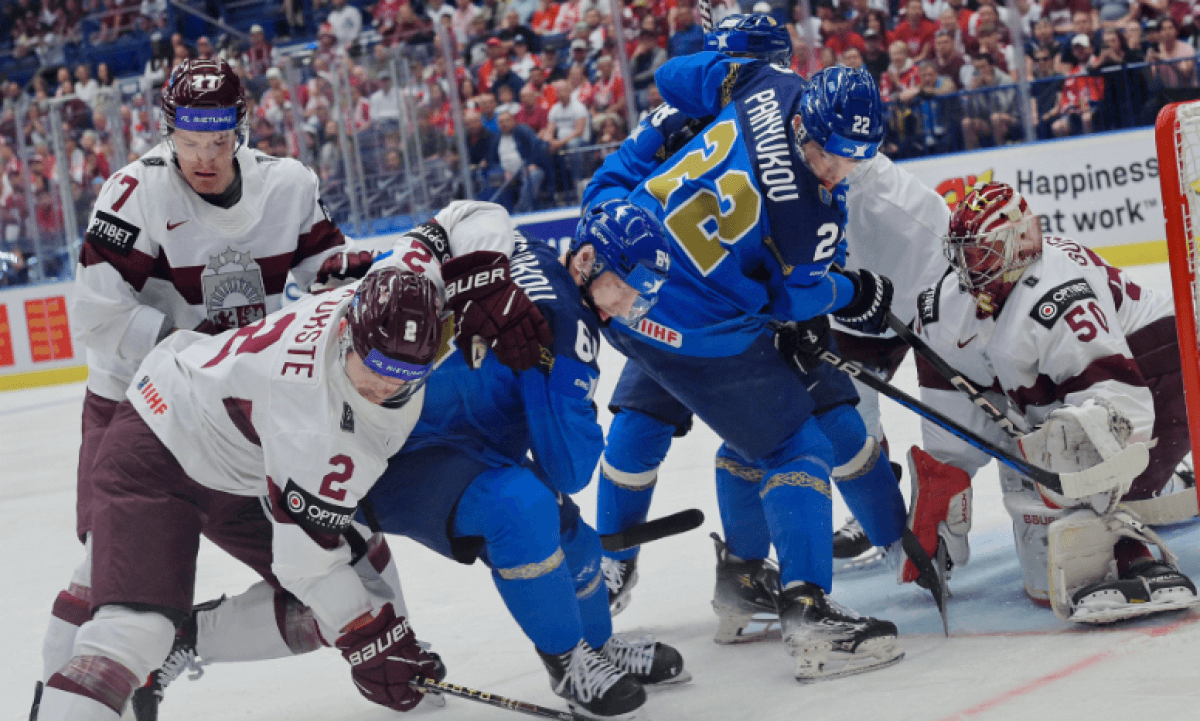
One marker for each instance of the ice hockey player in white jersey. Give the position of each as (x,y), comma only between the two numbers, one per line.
(199,233)
(263,439)
(1090,361)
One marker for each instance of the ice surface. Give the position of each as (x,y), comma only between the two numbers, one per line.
(1006,659)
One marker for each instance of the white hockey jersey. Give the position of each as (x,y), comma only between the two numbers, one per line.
(267,411)
(894,227)
(156,253)
(1059,339)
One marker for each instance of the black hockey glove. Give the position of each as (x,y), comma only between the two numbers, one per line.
(690,129)
(801,343)
(867,310)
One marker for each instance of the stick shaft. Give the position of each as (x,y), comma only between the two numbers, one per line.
(491,699)
(671,525)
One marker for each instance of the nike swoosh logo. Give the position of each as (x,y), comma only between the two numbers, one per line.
(173,226)
(965,343)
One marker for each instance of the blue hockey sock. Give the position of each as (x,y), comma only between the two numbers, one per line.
(636,446)
(742,518)
(581,544)
(864,476)
(798,504)
(518,518)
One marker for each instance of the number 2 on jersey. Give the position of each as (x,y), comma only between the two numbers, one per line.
(706,220)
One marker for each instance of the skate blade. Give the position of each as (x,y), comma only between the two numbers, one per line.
(684,677)
(748,629)
(873,654)
(873,559)
(1102,613)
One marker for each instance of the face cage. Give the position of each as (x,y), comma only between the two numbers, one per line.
(1007,238)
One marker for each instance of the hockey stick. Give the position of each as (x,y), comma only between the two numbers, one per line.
(928,574)
(653,530)
(706,23)
(1126,464)
(492,699)
(1101,477)
(948,372)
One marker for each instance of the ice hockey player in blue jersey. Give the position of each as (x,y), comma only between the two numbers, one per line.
(755,215)
(463,486)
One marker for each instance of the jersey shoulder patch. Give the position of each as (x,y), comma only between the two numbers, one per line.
(265,158)
(1051,306)
(928,302)
(111,232)
(153,161)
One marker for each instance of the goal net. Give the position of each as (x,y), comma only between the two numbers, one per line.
(1177,135)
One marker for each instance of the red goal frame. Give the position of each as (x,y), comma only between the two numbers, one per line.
(1181,252)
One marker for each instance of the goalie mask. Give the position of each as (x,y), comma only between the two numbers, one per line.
(394,326)
(993,237)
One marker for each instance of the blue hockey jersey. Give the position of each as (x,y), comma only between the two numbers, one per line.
(752,230)
(497,416)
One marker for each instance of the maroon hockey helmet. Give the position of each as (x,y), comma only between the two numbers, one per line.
(993,237)
(396,328)
(204,96)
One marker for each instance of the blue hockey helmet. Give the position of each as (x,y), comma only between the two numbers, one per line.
(630,242)
(842,111)
(756,36)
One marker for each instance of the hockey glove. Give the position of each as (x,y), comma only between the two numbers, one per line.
(801,343)
(867,310)
(940,509)
(384,657)
(207,327)
(486,303)
(342,268)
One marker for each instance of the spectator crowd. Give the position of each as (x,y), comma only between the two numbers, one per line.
(540,90)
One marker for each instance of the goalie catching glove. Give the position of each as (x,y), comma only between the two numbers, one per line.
(868,308)
(486,303)
(385,658)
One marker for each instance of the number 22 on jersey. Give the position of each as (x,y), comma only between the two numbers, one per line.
(706,221)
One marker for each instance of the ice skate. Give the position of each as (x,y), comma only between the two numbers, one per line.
(1147,586)
(852,550)
(620,577)
(182,657)
(744,598)
(592,685)
(654,664)
(829,641)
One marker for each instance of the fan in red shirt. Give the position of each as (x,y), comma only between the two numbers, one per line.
(841,35)
(901,74)
(916,31)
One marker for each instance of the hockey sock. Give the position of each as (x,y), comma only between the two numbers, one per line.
(72,609)
(518,518)
(864,476)
(255,625)
(798,504)
(581,544)
(635,448)
(746,532)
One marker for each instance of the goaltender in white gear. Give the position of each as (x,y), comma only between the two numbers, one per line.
(1085,356)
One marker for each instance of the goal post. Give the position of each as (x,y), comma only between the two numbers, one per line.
(1177,136)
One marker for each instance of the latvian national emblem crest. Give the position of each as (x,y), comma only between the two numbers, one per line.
(234,294)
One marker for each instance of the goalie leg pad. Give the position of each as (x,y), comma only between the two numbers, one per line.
(1088,587)
(940,509)
(1031,524)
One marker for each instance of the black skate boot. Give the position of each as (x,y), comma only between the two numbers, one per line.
(850,540)
(652,663)
(620,577)
(182,658)
(592,685)
(1147,586)
(744,598)
(829,641)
